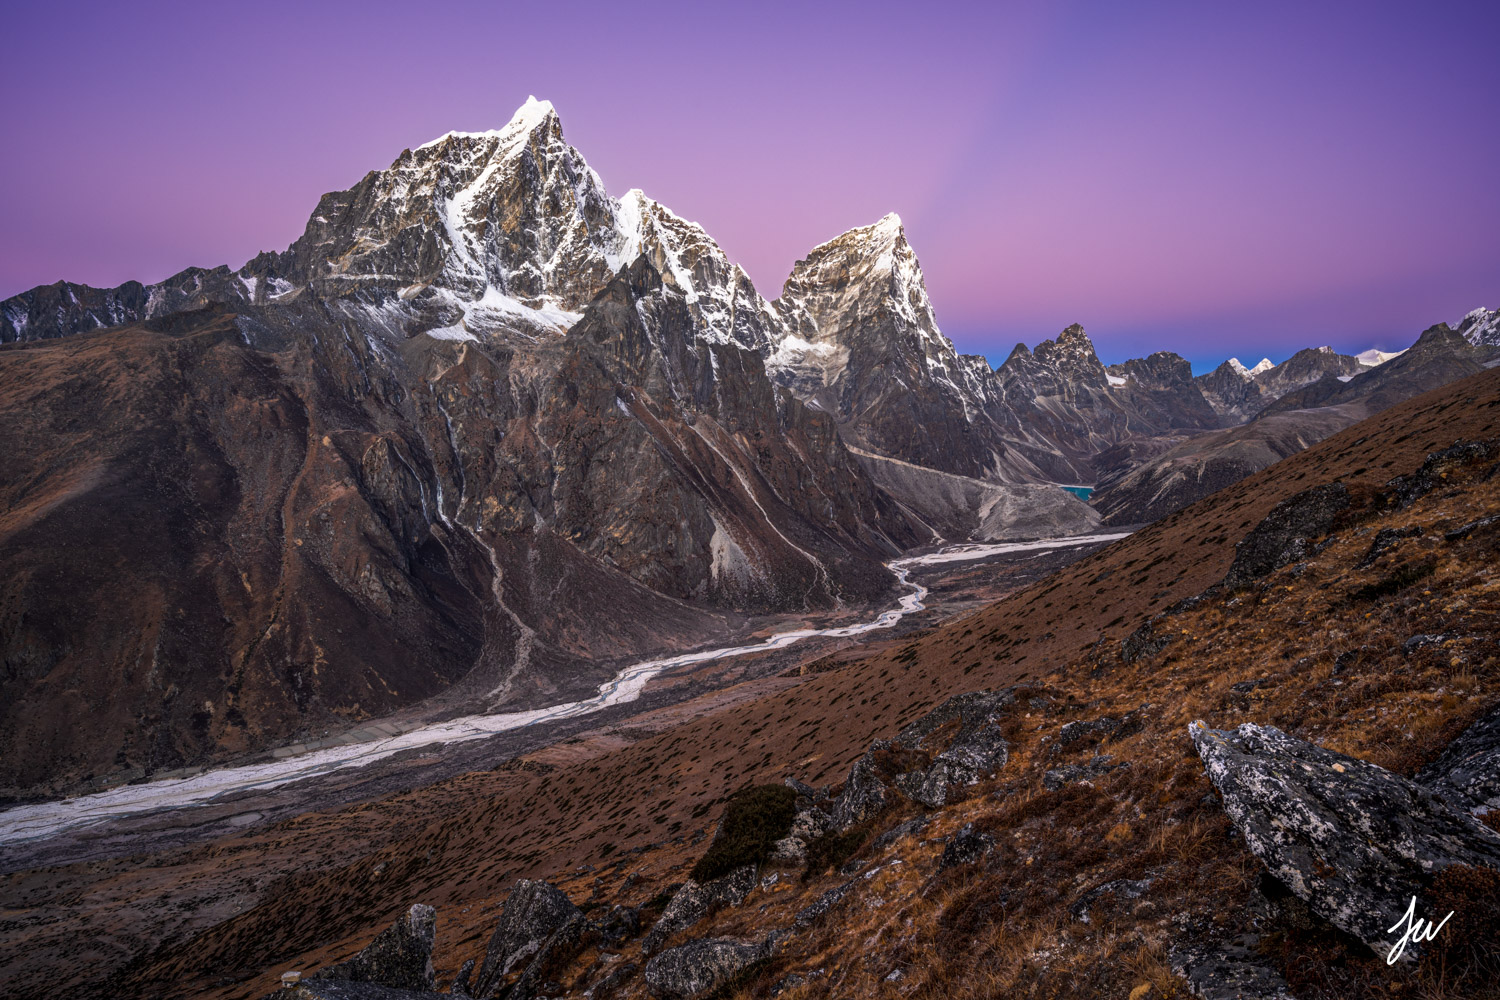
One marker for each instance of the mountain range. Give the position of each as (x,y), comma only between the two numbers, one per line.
(414,455)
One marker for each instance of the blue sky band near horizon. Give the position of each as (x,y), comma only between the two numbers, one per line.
(1214,179)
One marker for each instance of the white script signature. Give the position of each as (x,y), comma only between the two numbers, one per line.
(1416,931)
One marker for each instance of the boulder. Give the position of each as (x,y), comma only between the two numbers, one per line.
(1287,534)
(865,792)
(1467,774)
(976,751)
(400,957)
(532,915)
(1354,841)
(1230,971)
(966,847)
(694,901)
(700,967)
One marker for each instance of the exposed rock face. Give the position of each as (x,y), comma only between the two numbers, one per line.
(1468,772)
(1307,366)
(700,967)
(533,915)
(693,902)
(1352,840)
(1287,533)
(400,957)
(1231,391)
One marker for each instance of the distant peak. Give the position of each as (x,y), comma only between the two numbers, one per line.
(889,221)
(1239,367)
(1265,365)
(1074,332)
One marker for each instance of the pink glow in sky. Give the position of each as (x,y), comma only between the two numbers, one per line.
(1213,179)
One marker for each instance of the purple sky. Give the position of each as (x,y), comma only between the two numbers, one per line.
(1208,178)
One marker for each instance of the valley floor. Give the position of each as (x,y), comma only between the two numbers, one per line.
(117,874)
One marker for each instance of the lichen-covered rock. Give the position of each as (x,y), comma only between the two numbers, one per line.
(865,793)
(694,901)
(1233,971)
(533,913)
(966,847)
(1353,840)
(956,756)
(400,957)
(1386,539)
(700,967)
(975,752)
(1144,642)
(1468,772)
(1286,535)
(1407,490)
(1100,764)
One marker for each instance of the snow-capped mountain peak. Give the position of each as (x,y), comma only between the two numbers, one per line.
(1238,367)
(1264,365)
(1481,327)
(527,117)
(1374,357)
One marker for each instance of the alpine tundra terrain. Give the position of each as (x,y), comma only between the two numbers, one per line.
(483,436)
(497,548)
(1217,758)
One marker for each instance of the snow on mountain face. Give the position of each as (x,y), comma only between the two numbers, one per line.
(1238,368)
(489,222)
(1264,365)
(1373,357)
(1481,327)
(720,294)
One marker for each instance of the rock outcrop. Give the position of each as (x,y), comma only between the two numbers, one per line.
(1352,840)
(698,968)
(534,916)
(693,902)
(1468,772)
(1287,534)
(959,742)
(400,957)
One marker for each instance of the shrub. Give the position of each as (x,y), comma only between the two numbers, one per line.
(755,818)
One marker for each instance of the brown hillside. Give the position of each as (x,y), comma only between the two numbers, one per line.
(573,813)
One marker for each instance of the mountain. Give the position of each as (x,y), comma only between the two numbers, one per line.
(1293,421)
(408,458)
(1481,327)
